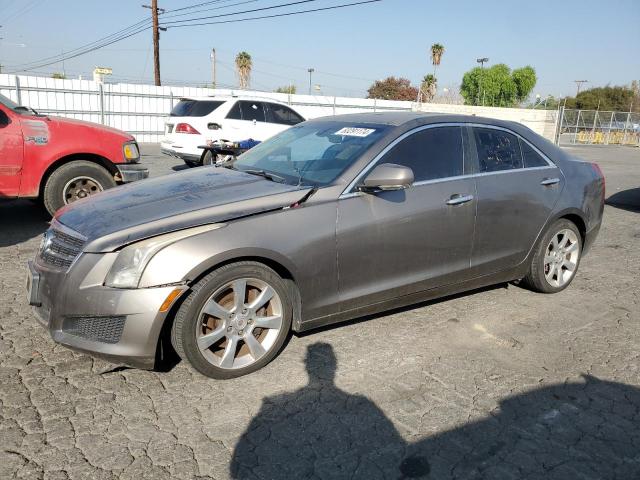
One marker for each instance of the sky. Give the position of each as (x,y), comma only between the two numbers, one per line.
(349,48)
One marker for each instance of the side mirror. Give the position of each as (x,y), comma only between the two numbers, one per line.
(4,119)
(387,176)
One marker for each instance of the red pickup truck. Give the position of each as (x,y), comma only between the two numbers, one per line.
(60,160)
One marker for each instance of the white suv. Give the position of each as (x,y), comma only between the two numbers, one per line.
(195,121)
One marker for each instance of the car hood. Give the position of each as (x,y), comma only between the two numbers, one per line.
(146,208)
(63,122)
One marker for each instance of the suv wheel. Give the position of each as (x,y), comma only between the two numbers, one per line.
(234,322)
(74,181)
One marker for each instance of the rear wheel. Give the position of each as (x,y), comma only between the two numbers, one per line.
(556,260)
(234,322)
(74,181)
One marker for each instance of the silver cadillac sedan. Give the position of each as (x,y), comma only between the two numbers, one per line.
(333,219)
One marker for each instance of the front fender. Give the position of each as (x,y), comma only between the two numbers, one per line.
(188,259)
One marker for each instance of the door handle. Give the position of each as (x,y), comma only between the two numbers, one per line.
(547,182)
(457,199)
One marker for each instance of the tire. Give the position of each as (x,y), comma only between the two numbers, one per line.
(543,275)
(207,158)
(233,331)
(58,191)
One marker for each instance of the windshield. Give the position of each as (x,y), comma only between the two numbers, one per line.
(311,153)
(7,102)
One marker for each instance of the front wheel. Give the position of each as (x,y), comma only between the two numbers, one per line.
(556,260)
(234,322)
(74,181)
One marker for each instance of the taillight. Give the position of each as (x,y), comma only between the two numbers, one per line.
(186,128)
(598,171)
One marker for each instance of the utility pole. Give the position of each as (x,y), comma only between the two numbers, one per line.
(311,70)
(213,67)
(156,38)
(481,61)
(579,84)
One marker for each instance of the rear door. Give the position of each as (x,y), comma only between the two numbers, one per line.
(279,118)
(517,189)
(394,243)
(245,120)
(11,153)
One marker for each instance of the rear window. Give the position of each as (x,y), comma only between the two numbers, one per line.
(194,108)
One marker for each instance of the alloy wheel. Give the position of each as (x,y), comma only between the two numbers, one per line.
(239,323)
(561,258)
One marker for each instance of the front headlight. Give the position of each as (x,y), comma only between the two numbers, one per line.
(132,260)
(131,152)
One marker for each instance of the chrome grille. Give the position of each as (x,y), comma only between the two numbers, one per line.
(60,246)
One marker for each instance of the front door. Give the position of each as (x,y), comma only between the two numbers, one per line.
(394,243)
(517,190)
(11,154)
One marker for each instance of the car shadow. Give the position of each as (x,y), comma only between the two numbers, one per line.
(626,200)
(585,429)
(21,220)
(178,168)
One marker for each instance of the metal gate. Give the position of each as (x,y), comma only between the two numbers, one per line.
(594,127)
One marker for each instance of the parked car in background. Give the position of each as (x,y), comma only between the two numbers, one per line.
(330,220)
(196,121)
(61,160)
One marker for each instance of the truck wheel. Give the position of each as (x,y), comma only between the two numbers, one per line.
(74,181)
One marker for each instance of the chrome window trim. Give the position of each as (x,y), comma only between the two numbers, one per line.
(348,192)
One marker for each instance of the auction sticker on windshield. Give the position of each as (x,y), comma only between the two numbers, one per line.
(355,132)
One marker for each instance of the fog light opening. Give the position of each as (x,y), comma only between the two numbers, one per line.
(175,293)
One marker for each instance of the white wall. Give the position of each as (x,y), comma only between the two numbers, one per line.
(542,122)
(141,109)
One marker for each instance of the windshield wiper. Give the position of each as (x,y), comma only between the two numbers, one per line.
(269,176)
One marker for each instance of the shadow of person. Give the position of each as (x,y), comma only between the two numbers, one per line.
(582,430)
(319,431)
(586,430)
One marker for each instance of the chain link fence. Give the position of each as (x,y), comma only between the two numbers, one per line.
(594,127)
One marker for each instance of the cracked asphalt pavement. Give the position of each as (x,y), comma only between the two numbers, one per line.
(496,383)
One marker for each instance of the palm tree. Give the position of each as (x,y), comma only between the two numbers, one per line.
(437,50)
(429,87)
(243,69)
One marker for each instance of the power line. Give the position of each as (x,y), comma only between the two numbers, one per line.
(282,5)
(276,15)
(85,51)
(107,38)
(88,45)
(140,26)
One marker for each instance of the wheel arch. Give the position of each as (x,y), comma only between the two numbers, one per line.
(280,266)
(88,157)
(576,217)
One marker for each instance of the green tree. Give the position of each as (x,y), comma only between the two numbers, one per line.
(497,85)
(243,69)
(392,88)
(58,75)
(607,98)
(291,89)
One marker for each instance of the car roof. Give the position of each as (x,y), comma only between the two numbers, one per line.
(399,119)
(226,98)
